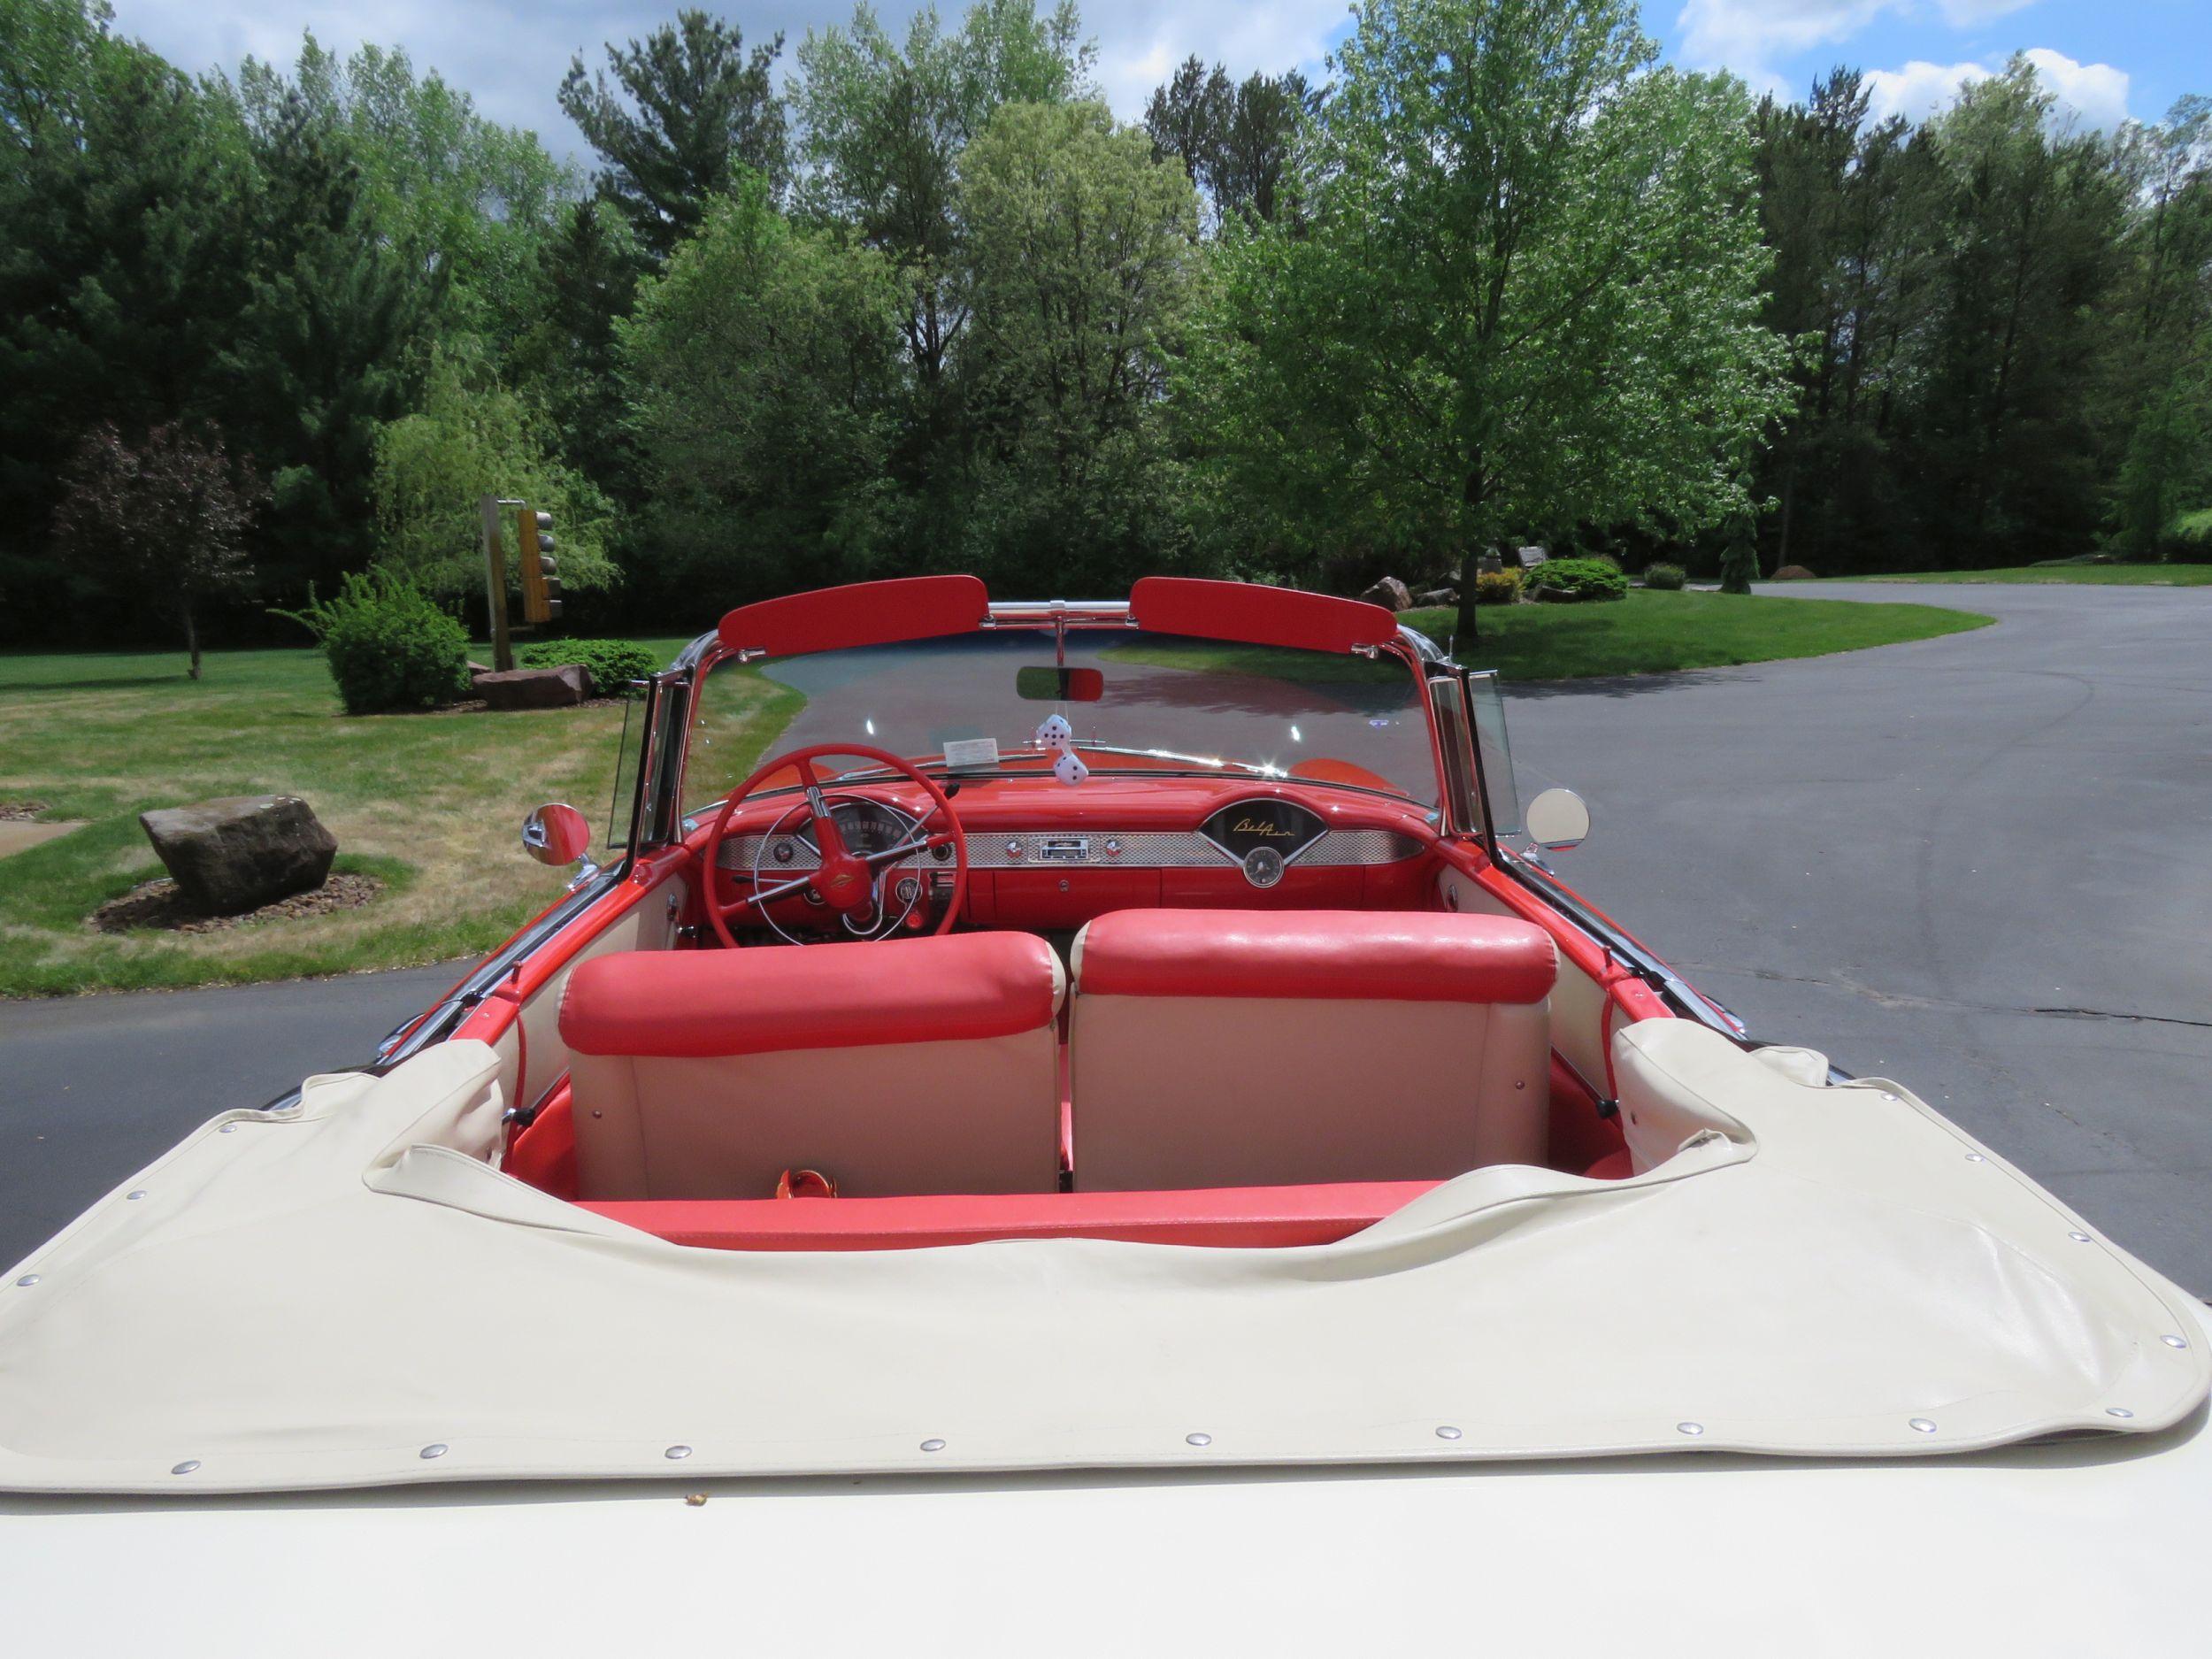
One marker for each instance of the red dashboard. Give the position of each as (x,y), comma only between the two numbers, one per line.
(1045,856)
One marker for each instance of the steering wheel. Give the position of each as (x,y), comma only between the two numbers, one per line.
(846,882)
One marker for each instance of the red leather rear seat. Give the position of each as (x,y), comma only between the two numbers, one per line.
(911,1065)
(1254,1048)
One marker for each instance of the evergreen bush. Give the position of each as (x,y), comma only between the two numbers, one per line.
(1579,581)
(612,664)
(389,647)
(1666,578)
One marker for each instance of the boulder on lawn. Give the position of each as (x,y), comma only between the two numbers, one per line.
(1390,594)
(241,852)
(562,688)
(1437,597)
(1792,573)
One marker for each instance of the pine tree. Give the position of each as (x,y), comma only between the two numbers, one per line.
(323,352)
(683,108)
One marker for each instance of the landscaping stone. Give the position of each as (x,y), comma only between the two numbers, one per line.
(1530,557)
(562,688)
(1792,573)
(1389,592)
(478,668)
(241,852)
(1437,597)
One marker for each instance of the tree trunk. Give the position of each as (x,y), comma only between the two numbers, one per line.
(1470,564)
(1477,491)
(1789,500)
(192,640)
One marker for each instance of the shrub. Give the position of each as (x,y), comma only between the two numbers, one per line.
(1579,581)
(388,645)
(2188,540)
(1497,588)
(612,664)
(1666,578)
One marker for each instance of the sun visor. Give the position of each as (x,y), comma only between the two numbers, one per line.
(1259,615)
(862,613)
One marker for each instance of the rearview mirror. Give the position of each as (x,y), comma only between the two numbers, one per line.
(1556,820)
(1059,684)
(555,835)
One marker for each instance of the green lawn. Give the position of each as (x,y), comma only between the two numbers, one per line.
(430,802)
(1652,633)
(2106,575)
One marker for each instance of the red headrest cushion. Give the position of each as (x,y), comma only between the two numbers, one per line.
(1335,955)
(698,1004)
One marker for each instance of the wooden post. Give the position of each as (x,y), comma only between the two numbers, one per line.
(496,585)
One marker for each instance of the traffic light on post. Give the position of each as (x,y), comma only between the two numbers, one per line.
(539,571)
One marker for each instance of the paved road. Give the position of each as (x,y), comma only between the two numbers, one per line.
(93,1087)
(1980,864)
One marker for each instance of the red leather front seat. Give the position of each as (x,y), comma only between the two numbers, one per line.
(904,1066)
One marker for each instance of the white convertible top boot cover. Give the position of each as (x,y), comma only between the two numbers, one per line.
(347,1293)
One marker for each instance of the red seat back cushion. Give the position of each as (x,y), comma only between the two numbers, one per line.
(1340,955)
(702,1004)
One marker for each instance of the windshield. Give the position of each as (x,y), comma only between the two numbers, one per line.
(1169,703)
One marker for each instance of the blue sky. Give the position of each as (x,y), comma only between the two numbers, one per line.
(2106,59)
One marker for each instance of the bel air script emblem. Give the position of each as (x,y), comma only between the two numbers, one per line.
(1261,826)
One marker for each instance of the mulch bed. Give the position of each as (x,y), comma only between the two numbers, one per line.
(20,811)
(158,904)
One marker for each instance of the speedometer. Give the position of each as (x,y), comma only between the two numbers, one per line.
(866,828)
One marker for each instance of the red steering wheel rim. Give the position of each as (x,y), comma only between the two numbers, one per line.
(833,881)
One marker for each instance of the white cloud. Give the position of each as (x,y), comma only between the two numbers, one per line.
(1917,90)
(2093,95)
(1750,36)
(2096,94)
(1746,35)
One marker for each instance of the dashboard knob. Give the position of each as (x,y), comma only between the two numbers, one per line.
(1013,849)
(1113,848)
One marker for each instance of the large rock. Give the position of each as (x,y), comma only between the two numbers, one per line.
(1792,573)
(561,688)
(1436,596)
(1389,592)
(241,852)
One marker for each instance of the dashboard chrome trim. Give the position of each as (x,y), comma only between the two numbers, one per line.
(1140,849)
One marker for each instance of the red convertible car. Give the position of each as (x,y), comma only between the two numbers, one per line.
(1048,1036)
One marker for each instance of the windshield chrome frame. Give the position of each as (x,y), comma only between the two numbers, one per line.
(703,655)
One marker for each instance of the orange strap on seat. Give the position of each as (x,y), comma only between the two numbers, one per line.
(805,1184)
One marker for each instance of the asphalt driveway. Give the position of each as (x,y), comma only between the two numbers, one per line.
(1980,864)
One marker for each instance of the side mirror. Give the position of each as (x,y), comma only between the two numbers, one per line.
(1556,820)
(1040,684)
(556,835)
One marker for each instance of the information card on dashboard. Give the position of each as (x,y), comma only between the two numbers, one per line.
(972,754)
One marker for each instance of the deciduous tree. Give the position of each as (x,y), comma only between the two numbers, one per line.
(761,373)
(163,520)
(1527,300)
(1080,270)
